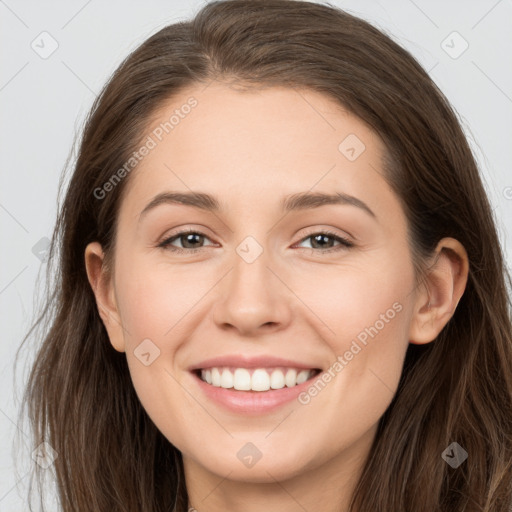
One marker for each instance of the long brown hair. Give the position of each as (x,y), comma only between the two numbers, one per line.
(80,398)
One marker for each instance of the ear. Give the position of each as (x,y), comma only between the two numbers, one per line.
(102,285)
(445,283)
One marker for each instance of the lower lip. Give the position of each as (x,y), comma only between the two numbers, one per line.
(252,402)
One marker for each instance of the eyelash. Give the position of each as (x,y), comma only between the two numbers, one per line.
(344,242)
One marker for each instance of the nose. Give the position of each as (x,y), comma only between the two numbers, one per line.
(253,299)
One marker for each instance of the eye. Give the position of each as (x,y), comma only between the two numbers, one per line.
(320,240)
(189,238)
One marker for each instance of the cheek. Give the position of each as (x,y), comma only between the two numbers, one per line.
(156,301)
(364,316)
(357,302)
(368,344)
(160,307)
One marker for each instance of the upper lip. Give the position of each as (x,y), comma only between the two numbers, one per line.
(238,361)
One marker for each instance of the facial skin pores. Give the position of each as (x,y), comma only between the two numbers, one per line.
(264,294)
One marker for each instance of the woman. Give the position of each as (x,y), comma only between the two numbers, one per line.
(252,372)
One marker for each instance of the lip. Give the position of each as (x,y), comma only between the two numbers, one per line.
(239,361)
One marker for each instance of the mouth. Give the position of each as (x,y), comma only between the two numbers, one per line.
(255,379)
(252,384)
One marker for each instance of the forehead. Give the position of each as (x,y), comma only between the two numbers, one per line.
(249,146)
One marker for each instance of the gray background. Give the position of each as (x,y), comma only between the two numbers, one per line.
(43,102)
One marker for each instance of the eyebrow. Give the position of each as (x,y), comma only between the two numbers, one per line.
(293,202)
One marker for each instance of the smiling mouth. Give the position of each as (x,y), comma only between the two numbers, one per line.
(255,379)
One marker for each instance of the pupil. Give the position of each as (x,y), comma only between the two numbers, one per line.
(320,237)
(189,236)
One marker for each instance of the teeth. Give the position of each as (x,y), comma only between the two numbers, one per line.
(226,379)
(291,378)
(215,377)
(302,376)
(260,379)
(242,379)
(276,380)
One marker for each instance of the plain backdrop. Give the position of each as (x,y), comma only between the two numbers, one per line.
(55,58)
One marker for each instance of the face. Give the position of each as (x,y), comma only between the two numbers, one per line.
(269,288)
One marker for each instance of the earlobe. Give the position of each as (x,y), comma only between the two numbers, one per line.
(103,289)
(444,285)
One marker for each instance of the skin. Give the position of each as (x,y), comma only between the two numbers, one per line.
(249,149)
